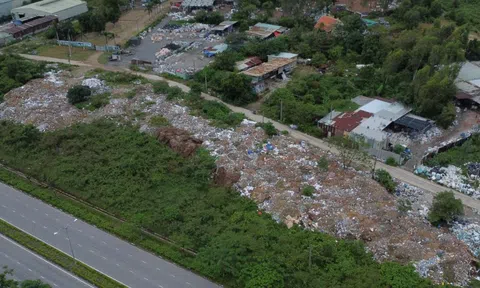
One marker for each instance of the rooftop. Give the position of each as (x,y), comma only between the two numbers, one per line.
(224,25)
(349,120)
(248,63)
(264,30)
(268,67)
(285,55)
(362,100)
(197,3)
(326,23)
(51,6)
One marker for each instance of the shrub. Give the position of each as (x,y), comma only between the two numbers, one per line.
(398,149)
(159,121)
(445,208)
(78,93)
(323,163)
(161,87)
(174,93)
(270,130)
(99,100)
(385,179)
(391,161)
(284,132)
(308,191)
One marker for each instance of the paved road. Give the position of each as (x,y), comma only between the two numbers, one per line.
(102,251)
(28,265)
(398,173)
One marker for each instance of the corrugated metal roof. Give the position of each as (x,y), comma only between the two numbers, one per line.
(264,30)
(50,6)
(326,23)
(362,100)
(349,120)
(197,3)
(224,25)
(268,67)
(248,63)
(469,71)
(328,119)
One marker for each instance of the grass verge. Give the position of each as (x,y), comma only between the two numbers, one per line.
(58,257)
(101,220)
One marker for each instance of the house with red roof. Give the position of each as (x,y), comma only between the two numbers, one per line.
(327,23)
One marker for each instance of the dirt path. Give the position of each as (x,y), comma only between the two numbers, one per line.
(400,174)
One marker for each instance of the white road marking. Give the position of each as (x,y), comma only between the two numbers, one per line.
(13,211)
(66,238)
(56,219)
(146,279)
(80,231)
(46,214)
(172,275)
(160,286)
(54,284)
(129,255)
(4,206)
(158,269)
(19,263)
(118,265)
(29,269)
(104,242)
(92,251)
(79,245)
(188,283)
(21,215)
(144,262)
(44,227)
(104,258)
(132,272)
(116,249)
(91,237)
(42,277)
(35,209)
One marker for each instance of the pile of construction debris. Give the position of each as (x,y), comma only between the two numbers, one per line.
(273,172)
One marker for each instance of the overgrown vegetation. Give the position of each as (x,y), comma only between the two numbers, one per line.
(458,156)
(133,176)
(270,130)
(445,208)
(391,161)
(78,93)
(385,179)
(308,191)
(117,78)
(322,163)
(56,256)
(16,71)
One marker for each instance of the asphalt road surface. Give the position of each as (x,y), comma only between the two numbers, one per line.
(28,265)
(100,250)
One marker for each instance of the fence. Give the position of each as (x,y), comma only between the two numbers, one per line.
(89,45)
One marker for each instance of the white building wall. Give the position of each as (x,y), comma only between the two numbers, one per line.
(7,5)
(62,15)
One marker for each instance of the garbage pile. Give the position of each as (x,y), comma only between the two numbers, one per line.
(450,177)
(42,103)
(96,85)
(469,233)
(473,169)
(182,16)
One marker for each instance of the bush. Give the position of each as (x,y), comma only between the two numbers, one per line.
(159,121)
(308,191)
(398,149)
(78,93)
(391,161)
(213,18)
(323,163)
(174,93)
(385,179)
(99,100)
(161,87)
(270,130)
(445,208)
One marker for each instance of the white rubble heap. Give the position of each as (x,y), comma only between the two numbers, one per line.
(469,233)
(96,85)
(273,172)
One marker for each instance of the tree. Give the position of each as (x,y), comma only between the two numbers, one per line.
(385,179)
(391,161)
(436,9)
(350,150)
(78,93)
(226,61)
(412,18)
(236,89)
(318,59)
(445,208)
(473,50)
(322,163)
(447,116)
(10,283)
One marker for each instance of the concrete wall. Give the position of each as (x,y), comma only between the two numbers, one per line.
(7,5)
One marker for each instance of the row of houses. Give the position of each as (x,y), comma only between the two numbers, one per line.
(371,120)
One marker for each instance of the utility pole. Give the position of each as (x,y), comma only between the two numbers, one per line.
(70,242)
(69,47)
(206,86)
(281,110)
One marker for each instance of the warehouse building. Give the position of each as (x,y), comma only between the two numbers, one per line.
(62,9)
(7,5)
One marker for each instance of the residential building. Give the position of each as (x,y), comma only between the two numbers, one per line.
(327,23)
(212,51)
(224,28)
(248,63)
(468,84)
(274,68)
(31,26)
(62,9)
(266,31)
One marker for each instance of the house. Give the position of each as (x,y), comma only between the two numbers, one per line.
(247,63)
(62,9)
(285,55)
(370,120)
(266,31)
(224,28)
(327,23)
(31,26)
(197,4)
(212,51)
(468,84)
(274,68)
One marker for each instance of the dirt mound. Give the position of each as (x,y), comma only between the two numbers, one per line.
(226,178)
(179,140)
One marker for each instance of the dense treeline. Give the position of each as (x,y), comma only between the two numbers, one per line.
(130,174)
(411,60)
(458,156)
(16,71)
